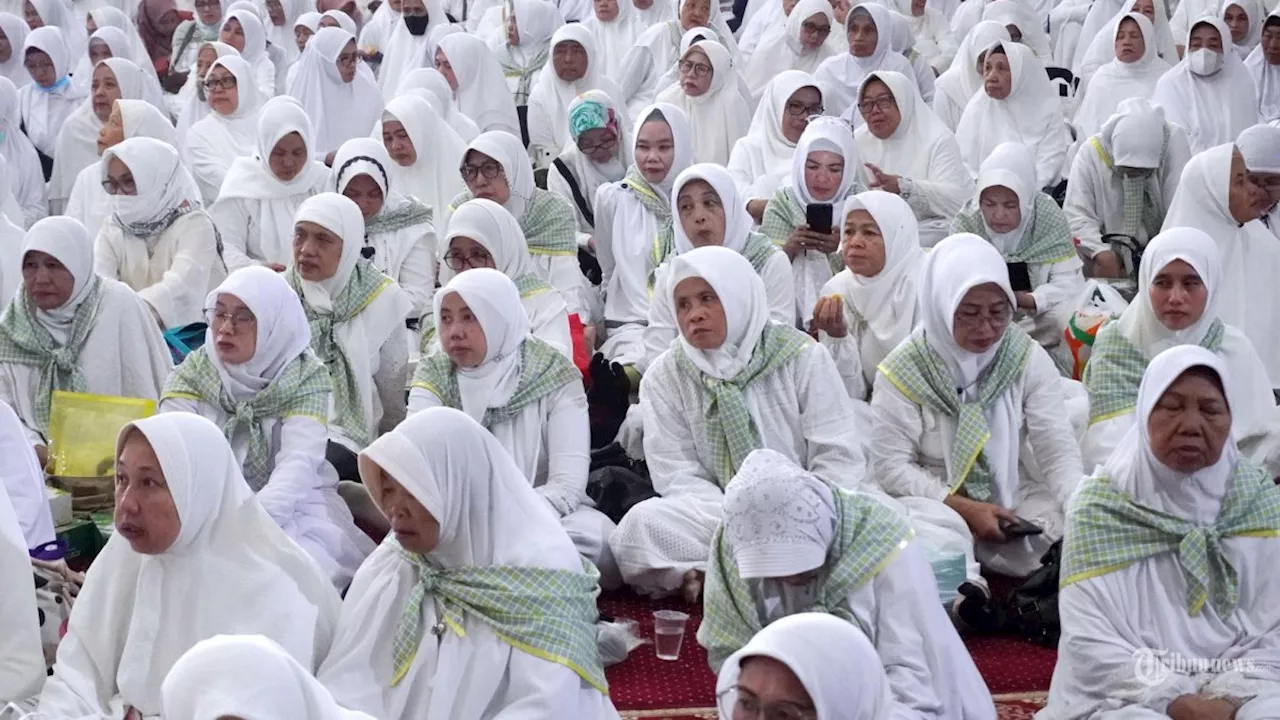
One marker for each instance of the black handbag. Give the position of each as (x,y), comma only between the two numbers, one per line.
(1033,606)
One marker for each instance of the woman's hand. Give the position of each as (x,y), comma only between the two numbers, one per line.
(881,180)
(802,238)
(828,316)
(755,208)
(1198,707)
(1026,301)
(982,518)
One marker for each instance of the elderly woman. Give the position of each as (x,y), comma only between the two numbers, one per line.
(427,154)
(25,171)
(964,78)
(478,85)
(800,41)
(597,155)
(1210,93)
(187,526)
(869,29)
(1167,562)
(575,67)
(66,311)
(1133,73)
(478,603)
(999,454)
(707,92)
(704,407)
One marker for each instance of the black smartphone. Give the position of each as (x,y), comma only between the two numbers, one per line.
(1019,528)
(818,217)
(1019,277)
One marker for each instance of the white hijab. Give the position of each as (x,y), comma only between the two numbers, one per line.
(963,80)
(282,36)
(1212,109)
(1102,49)
(497,231)
(507,150)
(1118,81)
(590,174)
(68,242)
(1011,12)
(742,295)
(405,51)
(615,39)
(15,31)
(432,84)
(767,151)
(912,148)
(163,185)
(342,217)
(1139,323)
(255,47)
(719,117)
(1256,13)
(737,226)
(282,330)
(339,111)
(235,135)
(829,135)
(781,50)
(45,110)
(554,95)
(1011,166)
(844,73)
(837,665)
(482,92)
(433,178)
(134,621)
(61,14)
(1266,77)
(495,302)
(195,107)
(108,16)
(246,676)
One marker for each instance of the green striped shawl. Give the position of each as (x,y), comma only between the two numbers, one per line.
(1115,369)
(1047,239)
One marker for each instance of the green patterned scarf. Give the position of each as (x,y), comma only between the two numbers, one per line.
(301,389)
(526,73)
(528,284)
(24,341)
(1108,531)
(1047,240)
(1140,211)
(1115,369)
(406,215)
(363,287)
(868,537)
(548,222)
(549,614)
(920,373)
(730,429)
(543,370)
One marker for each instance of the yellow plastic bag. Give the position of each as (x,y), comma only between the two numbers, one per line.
(83,430)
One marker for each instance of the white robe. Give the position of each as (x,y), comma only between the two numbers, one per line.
(780,48)
(214,142)
(719,117)
(433,178)
(22,667)
(958,84)
(845,73)
(22,481)
(550,96)
(761,160)
(1214,109)
(1116,81)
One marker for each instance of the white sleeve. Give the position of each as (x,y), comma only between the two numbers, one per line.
(834,450)
(78,202)
(567,438)
(1082,206)
(948,185)
(1051,153)
(421,399)
(538,688)
(780,289)
(606,205)
(22,666)
(1053,442)
(22,479)
(669,449)
(417,273)
(105,261)
(924,79)
(234,223)
(296,475)
(848,359)
(947,111)
(1055,295)
(188,274)
(895,445)
(564,275)
(662,330)
(391,378)
(206,165)
(740,170)
(1102,438)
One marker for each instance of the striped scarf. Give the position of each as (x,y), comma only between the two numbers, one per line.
(1115,369)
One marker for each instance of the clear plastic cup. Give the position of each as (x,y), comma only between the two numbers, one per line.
(668,633)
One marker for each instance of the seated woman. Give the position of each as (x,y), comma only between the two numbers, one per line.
(242,29)
(711,214)
(245,676)
(470,535)
(66,311)
(1178,285)
(191,34)
(484,235)
(596,156)
(229,131)
(496,167)
(338,91)
(1139,581)
(356,314)
(1132,74)
(191,104)
(791,543)
(659,49)
(1244,18)
(1263,65)
(257,378)
(793,42)
(822,174)
(869,30)
(575,67)
(903,148)
(1123,181)
(761,161)
(25,171)
(1001,449)
(523,390)
(1210,93)
(260,195)
(1089,55)
(1260,148)
(869,307)
(1028,229)
(473,72)
(399,231)
(732,383)
(187,527)
(158,240)
(430,85)
(964,78)
(23,672)
(708,94)
(1017,103)
(427,154)
(49,99)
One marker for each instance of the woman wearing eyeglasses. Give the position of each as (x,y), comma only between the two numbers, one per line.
(761,160)
(230,130)
(869,29)
(243,30)
(598,127)
(50,98)
(192,34)
(708,93)
(799,41)
(257,379)
(969,429)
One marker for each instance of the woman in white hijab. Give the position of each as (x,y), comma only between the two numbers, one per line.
(573,69)
(1244,19)
(470,533)
(1217,195)
(1178,285)
(282,18)
(106,17)
(1015,457)
(14,29)
(242,29)
(903,148)
(26,173)
(597,156)
(1209,93)
(187,526)
(23,672)
(523,390)
(260,195)
(1017,103)
(427,153)
(798,44)
(792,543)
(662,46)
(616,27)
(1030,29)
(409,45)
(869,307)
(1143,593)
(229,131)
(246,676)
(1260,148)
(477,82)
(50,98)
(1133,73)
(524,45)
(191,104)
(106,42)
(257,379)
(869,29)
(356,314)
(77,148)
(1263,65)
(1102,49)
(963,79)
(63,15)
(336,89)
(708,94)
(704,401)
(435,88)
(761,159)
(191,35)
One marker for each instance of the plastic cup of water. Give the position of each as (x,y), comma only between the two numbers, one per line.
(668,633)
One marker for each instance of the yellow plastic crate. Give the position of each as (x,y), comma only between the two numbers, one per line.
(83,429)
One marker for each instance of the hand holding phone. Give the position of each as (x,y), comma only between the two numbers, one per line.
(1014,529)
(818,217)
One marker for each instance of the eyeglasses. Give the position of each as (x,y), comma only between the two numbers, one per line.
(236,321)
(224,83)
(489,170)
(972,319)
(607,146)
(740,704)
(126,186)
(208,5)
(813,29)
(798,109)
(698,69)
(458,261)
(883,104)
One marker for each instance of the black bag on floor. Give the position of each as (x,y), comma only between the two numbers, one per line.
(616,483)
(1033,606)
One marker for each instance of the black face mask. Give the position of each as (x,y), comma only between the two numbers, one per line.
(417,24)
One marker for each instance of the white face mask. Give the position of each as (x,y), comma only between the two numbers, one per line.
(1204,62)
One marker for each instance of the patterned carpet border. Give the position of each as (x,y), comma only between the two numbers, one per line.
(1024,701)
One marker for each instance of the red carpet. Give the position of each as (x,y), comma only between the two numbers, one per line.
(645,687)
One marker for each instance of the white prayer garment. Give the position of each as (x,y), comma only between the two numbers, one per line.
(290,476)
(1011,13)
(65,17)
(191,35)
(1260,148)
(110,19)
(191,104)
(1118,81)
(27,176)
(158,241)
(405,650)
(254,51)
(535,22)
(430,174)
(88,326)
(843,74)
(1209,93)
(22,481)
(44,110)
(215,142)
(246,676)
(481,91)
(661,47)
(615,38)
(767,376)
(1253,14)
(339,110)
(22,666)
(406,50)
(921,151)
(1265,73)
(281,34)
(133,619)
(932,33)
(963,79)
(761,159)
(790,45)
(719,115)
(592,110)
(550,97)
(15,30)
(1030,454)
(429,81)
(1102,49)
(1135,636)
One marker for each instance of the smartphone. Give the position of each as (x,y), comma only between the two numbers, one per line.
(1019,528)
(1019,277)
(818,217)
